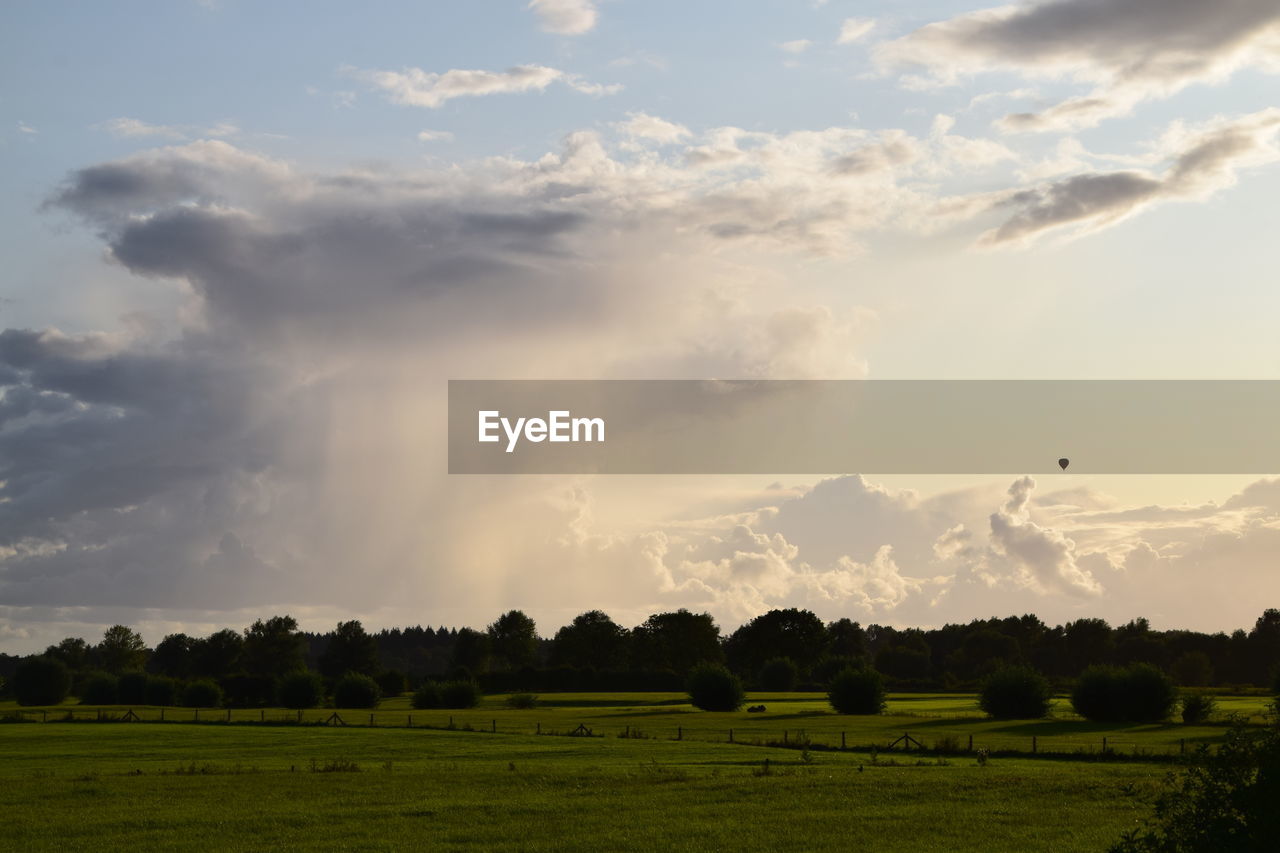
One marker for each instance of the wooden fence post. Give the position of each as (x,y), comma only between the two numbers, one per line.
(971,743)
(44,716)
(784,735)
(299,715)
(196,718)
(539,729)
(1104,743)
(842,742)
(627,732)
(493,727)
(1033,744)
(679,732)
(228,715)
(730,735)
(411,721)
(262,715)
(371,719)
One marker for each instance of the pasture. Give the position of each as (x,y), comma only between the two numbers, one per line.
(71,786)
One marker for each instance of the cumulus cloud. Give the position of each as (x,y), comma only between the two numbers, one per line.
(1129,50)
(644,126)
(1045,557)
(418,88)
(1203,162)
(565,17)
(132,128)
(796,46)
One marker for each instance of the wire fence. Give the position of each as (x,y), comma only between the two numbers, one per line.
(1081,746)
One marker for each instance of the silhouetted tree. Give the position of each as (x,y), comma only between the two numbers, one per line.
(513,640)
(173,656)
(470,651)
(350,649)
(592,639)
(678,641)
(272,647)
(121,649)
(217,655)
(795,634)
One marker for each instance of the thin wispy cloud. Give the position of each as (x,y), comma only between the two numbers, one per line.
(418,88)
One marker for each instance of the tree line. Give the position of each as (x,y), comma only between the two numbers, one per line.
(782,649)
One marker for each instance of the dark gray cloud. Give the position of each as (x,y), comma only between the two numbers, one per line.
(1201,164)
(1132,50)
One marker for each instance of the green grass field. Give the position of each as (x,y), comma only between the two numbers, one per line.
(216,786)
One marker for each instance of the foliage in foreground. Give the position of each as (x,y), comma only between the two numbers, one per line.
(857,691)
(713,687)
(1225,803)
(1016,693)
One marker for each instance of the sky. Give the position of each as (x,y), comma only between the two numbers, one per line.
(247,244)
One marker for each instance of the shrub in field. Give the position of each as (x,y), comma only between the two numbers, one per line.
(132,688)
(427,696)
(1015,693)
(712,687)
(100,688)
(202,694)
(355,691)
(1226,801)
(1149,694)
(41,681)
(778,674)
(161,690)
(301,689)
(1138,693)
(1197,707)
(391,683)
(857,691)
(522,701)
(459,694)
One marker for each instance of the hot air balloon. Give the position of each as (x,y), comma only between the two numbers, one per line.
(1063,463)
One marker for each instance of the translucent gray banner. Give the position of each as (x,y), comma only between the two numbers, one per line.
(864,426)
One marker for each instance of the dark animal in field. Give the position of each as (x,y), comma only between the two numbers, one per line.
(757,709)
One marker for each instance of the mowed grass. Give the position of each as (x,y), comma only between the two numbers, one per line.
(187,787)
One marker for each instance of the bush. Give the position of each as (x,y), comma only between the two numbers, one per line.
(355,691)
(1015,693)
(132,688)
(1224,802)
(778,674)
(1198,707)
(201,694)
(161,690)
(41,681)
(100,688)
(459,694)
(713,688)
(427,696)
(857,691)
(392,683)
(1138,693)
(522,701)
(301,689)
